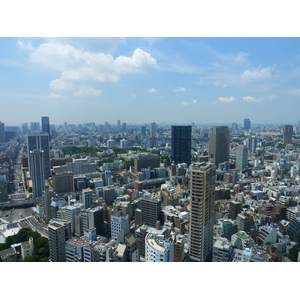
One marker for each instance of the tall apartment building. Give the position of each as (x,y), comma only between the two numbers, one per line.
(181,141)
(59,232)
(219,142)
(241,158)
(63,182)
(202,196)
(39,140)
(93,218)
(37,172)
(150,211)
(47,198)
(287,134)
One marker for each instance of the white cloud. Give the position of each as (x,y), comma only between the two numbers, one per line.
(220,84)
(257,73)
(241,57)
(292,92)
(25,46)
(54,96)
(251,99)
(226,99)
(85,90)
(83,67)
(180,89)
(152,90)
(189,103)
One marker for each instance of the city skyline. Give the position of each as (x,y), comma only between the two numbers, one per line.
(141,80)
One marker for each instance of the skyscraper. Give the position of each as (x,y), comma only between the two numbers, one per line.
(39,140)
(181,138)
(219,141)
(37,172)
(2,133)
(46,125)
(153,130)
(241,160)
(247,124)
(202,197)
(287,134)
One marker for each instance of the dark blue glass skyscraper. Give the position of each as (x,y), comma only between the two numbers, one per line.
(181,144)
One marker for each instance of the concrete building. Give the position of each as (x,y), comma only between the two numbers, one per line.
(159,248)
(46,125)
(202,187)
(145,161)
(219,142)
(39,140)
(119,227)
(87,198)
(2,132)
(150,211)
(287,132)
(37,172)
(59,232)
(222,250)
(63,182)
(247,124)
(241,160)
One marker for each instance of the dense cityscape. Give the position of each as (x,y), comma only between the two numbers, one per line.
(158,192)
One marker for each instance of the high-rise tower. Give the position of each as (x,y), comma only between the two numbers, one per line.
(241,160)
(219,141)
(37,172)
(202,197)
(247,124)
(2,133)
(39,140)
(46,125)
(181,138)
(287,134)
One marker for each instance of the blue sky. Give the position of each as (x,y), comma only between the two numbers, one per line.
(141,80)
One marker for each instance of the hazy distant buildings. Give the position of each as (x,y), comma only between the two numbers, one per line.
(181,139)
(153,130)
(2,133)
(247,124)
(219,141)
(287,134)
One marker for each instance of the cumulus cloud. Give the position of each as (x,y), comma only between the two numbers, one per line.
(226,99)
(180,89)
(152,90)
(83,67)
(261,99)
(257,73)
(85,90)
(241,57)
(189,103)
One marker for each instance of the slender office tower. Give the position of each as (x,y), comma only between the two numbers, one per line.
(247,124)
(181,139)
(219,141)
(37,172)
(39,140)
(202,197)
(241,160)
(287,134)
(46,125)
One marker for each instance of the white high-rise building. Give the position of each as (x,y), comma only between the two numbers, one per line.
(158,248)
(123,144)
(37,172)
(39,140)
(87,197)
(241,160)
(202,197)
(119,227)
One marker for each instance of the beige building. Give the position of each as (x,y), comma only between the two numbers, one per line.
(202,197)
